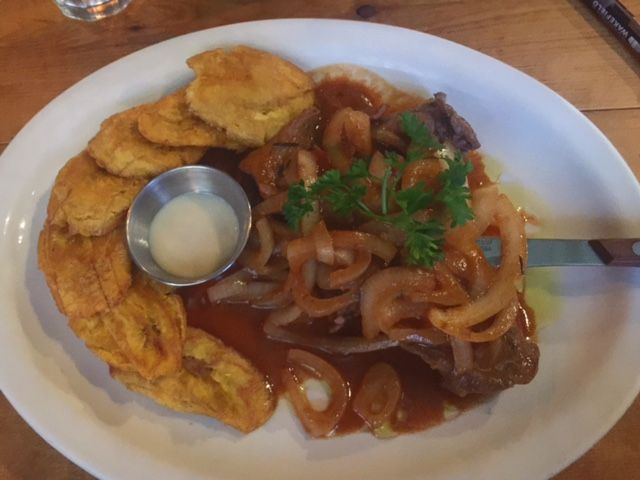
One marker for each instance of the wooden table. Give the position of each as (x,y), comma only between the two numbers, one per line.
(561,43)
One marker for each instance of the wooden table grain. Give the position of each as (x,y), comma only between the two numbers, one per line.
(561,43)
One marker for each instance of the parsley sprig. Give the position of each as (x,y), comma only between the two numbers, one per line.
(344,194)
(420,136)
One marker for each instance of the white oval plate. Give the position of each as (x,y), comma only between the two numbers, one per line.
(590,364)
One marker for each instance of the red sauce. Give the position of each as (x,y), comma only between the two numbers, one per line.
(228,161)
(423,399)
(335,94)
(240,327)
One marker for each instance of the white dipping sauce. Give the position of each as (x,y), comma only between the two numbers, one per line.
(193,234)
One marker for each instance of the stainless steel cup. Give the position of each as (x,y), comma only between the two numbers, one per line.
(162,189)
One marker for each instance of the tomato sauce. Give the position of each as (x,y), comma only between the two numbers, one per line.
(240,326)
(341,92)
(424,400)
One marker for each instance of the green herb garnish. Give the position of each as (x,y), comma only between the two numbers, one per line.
(455,193)
(299,203)
(418,132)
(344,194)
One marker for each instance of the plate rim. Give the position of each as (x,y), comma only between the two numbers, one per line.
(5,167)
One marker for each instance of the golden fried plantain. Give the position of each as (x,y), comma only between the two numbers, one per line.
(215,381)
(87,199)
(86,275)
(169,122)
(98,339)
(122,150)
(149,327)
(249,93)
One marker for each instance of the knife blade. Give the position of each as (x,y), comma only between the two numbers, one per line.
(562,252)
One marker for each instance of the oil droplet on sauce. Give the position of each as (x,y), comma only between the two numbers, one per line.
(193,234)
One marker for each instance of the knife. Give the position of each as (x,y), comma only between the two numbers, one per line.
(621,252)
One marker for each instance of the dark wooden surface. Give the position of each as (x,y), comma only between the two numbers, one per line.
(561,43)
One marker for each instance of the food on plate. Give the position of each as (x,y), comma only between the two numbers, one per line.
(88,200)
(302,366)
(86,275)
(120,148)
(93,331)
(148,326)
(509,360)
(363,262)
(248,93)
(169,122)
(214,380)
(335,84)
(361,277)
(266,164)
(378,397)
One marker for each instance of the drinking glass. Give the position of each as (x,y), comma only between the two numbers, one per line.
(91,10)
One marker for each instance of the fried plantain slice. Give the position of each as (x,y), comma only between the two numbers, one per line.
(120,148)
(169,122)
(249,93)
(88,200)
(97,338)
(149,327)
(86,275)
(215,380)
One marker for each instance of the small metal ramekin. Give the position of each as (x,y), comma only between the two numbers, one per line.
(165,187)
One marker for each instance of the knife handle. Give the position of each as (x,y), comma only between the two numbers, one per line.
(622,252)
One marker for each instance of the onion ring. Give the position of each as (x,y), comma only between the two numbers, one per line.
(257,260)
(230,286)
(324,244)
(300,364)
(500,325)
(379,395)
(284,316)
(503,289)
(462,355)
(271,205)
(379,305)
(340,277)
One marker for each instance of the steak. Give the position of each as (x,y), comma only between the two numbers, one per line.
(439,117)
(509,360)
